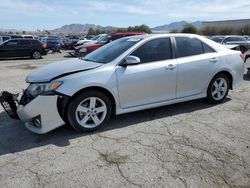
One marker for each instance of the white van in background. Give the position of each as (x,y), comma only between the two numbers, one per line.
(28,36)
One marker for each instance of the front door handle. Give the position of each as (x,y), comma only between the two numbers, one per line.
(213,60)
(170,67)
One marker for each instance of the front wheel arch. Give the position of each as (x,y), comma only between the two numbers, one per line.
(63,101)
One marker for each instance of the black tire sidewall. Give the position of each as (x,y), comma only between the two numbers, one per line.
(77,100)
(210,98)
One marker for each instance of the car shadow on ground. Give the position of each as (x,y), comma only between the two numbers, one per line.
(15,138)
(17,58)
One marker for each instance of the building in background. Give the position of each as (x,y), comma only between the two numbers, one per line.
(227,23)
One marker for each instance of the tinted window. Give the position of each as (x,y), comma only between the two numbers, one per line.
(12,43)
(231,39)
(6,38)
(207,49)
(24,42)
(103,40)
(188,46)
(16,37)
(217,39)
(115,37)
(28,37)
(154,50)
(35,42)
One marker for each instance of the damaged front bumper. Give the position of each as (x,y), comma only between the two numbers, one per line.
(40,115)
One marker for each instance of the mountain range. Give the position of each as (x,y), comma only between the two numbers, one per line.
(75,28)
(176,25)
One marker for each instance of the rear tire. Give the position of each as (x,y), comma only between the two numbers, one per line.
(218,89)
(36,55)
(89,111)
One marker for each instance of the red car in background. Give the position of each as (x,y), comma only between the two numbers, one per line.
(87,48)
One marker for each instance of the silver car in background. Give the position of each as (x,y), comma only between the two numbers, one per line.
(127,75)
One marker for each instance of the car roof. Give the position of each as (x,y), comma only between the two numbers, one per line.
(24,39)
(164,35)
(128,33)
(216,46)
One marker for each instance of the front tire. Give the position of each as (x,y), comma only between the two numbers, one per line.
(218,89)
(89,111)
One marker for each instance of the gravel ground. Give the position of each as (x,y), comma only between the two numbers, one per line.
(191,144)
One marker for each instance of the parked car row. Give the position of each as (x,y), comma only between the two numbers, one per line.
(234,41)
(8,37)
(89,47)
(23,47)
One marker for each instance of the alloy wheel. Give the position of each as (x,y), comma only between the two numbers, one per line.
(219,89)
(36,55)
(91,112)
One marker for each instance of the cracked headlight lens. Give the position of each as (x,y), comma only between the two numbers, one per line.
(43,88)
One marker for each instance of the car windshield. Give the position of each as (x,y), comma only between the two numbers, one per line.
(217,39)
(96,37)
(103,39)
(111,51)
(236,39)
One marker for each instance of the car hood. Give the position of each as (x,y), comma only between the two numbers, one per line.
(87,45)
(60,69)
(90,43)
(82,41)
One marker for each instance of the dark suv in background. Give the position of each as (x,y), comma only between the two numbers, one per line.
(23,48)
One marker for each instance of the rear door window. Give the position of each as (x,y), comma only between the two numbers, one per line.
(154,50)
(187,46)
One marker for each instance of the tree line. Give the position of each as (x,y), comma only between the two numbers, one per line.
(214,30)
(137,28)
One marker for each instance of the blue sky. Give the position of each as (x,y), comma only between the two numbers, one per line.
(50,14)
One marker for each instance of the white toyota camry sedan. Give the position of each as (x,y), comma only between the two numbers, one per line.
(127,75)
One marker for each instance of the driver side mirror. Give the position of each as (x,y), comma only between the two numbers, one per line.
(131,60)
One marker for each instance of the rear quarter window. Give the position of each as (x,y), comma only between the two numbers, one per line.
(35,42)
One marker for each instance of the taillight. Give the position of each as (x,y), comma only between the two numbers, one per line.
(242,56)
(44,46)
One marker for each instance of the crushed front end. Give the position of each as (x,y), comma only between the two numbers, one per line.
(38,112)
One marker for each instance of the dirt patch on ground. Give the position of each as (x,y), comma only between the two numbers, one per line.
(113,158)
(23,66)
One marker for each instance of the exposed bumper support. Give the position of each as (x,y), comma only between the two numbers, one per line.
(39,116)
(9,102)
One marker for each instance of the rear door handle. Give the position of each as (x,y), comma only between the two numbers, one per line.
(170,67)
(213,60)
